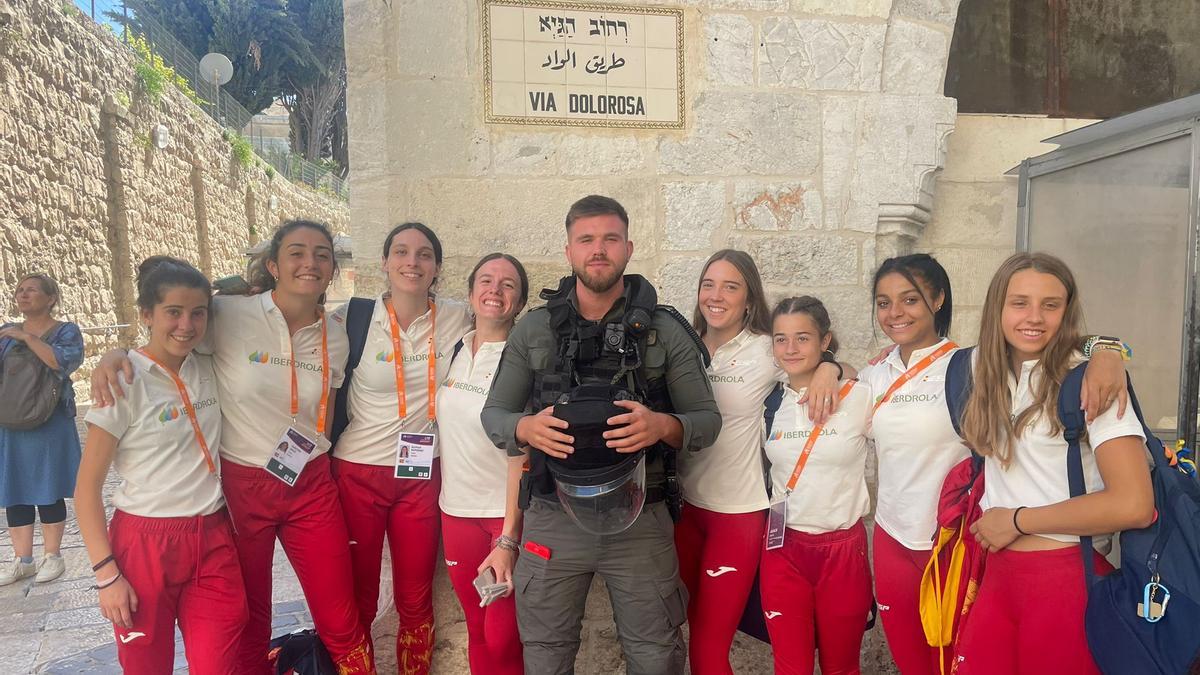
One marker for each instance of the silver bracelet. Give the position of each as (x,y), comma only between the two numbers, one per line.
(507,543)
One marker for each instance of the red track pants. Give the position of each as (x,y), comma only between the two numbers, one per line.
(307,519)
(718,558)
(185,570)
(493,645)
(816,594)
(898,571)
(1028,617)
(376,503)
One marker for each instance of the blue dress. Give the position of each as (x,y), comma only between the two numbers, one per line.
(38,466)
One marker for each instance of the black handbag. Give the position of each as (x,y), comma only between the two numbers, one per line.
(29,388)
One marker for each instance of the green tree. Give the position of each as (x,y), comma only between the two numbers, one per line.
(315,88)
(260,37)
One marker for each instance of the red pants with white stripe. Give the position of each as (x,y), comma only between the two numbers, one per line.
(1028,616)
(185,570)
(493,644)
(718,558)
(898,571)
(376,503)
(816,594)
(307,519)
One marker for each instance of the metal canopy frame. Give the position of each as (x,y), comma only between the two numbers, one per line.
(1174,119)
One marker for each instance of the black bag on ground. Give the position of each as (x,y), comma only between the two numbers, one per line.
(29,388)
(301,653)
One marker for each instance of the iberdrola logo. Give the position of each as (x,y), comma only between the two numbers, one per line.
(169,412)
(450,383)
(385,357)
(259,357)
(776,435)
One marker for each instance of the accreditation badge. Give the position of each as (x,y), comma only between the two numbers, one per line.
(414,456)
(776,523)
(292,451)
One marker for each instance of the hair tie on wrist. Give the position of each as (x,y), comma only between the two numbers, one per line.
(1015,525)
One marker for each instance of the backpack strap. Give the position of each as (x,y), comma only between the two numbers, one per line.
(959,381)
(770,407)
(457,348)
(358,323)
(1074,424)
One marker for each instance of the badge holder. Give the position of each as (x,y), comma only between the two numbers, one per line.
(414,456)
(294,447)
(777,522)
(1150,608)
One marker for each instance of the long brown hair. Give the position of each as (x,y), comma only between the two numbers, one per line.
(758,315)
(987,423)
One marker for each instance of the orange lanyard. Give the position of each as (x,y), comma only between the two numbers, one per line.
(323,407)
(187,408)
(914,371)
(813,435)
(398,360)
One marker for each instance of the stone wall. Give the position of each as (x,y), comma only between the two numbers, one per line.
(813,131)
(85,196)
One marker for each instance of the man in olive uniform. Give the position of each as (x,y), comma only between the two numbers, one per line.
(559,557)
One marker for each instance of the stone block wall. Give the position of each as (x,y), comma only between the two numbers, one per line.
(813,131)
(85,196)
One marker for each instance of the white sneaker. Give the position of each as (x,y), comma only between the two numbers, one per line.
(51,568)
(16,571)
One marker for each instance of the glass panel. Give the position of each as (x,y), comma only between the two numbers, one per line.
(1121,223)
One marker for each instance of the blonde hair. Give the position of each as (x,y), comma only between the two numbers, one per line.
(987,424)
(49,287)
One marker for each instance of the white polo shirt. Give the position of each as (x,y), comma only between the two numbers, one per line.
(831,493)
(915,445)
(474,470)
(370,436)
(158,457)
(1037,474)
(253,355)
(727,477)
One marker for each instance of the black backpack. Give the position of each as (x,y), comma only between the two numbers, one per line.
(358,322)
(30,389)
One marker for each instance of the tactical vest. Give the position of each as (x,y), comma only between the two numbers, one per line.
(611,354)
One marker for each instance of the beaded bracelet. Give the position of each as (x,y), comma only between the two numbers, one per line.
(507,543)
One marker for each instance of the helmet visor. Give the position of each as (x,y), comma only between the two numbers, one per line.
(607,503)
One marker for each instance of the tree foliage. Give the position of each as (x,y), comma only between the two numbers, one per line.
(286,50)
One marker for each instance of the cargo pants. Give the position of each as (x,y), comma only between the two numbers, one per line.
(640,569)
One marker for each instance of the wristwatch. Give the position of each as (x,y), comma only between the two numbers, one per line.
(1099,342)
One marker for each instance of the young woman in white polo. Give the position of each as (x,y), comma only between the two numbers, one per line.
(409,342)
(815,578)
(168,557)
(481,525)
(1029,614)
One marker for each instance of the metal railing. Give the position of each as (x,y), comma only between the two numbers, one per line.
(217,103)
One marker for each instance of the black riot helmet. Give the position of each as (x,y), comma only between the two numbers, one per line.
(602,490)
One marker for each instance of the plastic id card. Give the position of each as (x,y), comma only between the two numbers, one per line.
(292,452)
(414,456)
(776,523)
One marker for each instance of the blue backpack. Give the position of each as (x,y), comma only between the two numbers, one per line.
(1159,564)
